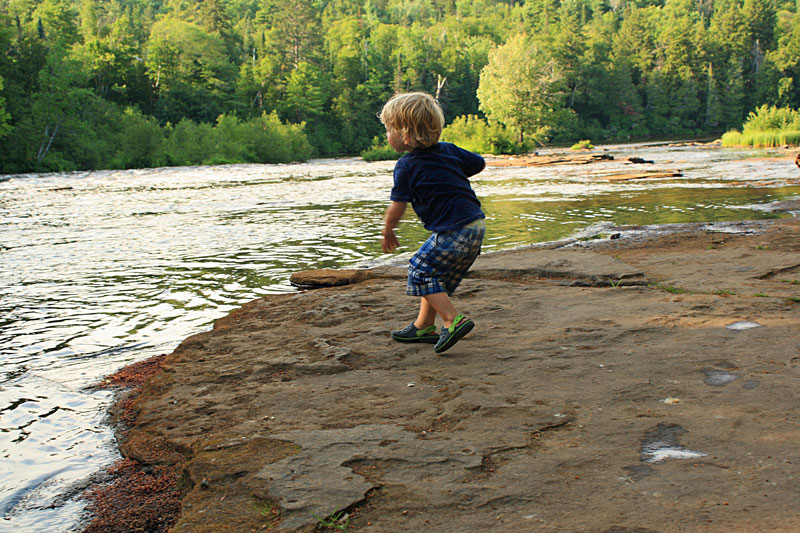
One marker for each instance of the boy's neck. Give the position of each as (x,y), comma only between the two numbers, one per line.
(419,148)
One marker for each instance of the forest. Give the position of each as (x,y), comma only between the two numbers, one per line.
(91,84)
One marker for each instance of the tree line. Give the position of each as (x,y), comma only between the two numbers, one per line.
(121,83)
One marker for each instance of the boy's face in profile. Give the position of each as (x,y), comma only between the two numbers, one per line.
(397,142)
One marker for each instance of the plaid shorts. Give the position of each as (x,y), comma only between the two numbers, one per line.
(443,260)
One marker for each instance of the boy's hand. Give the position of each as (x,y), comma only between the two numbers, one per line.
(389,242)
(393,215)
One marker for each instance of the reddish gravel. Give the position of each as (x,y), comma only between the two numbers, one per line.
(139,497)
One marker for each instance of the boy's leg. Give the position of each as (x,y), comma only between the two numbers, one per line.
(440,303)
(427,314)
(455,326)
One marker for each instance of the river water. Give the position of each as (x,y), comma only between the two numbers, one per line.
(102,269)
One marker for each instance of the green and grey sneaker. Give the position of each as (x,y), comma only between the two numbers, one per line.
(410,333)
(460,327)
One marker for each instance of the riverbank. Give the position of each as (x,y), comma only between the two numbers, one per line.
(631,383)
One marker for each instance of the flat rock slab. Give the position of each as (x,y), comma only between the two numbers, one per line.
(574,267)
(547,160)
(568,408)
(328,277)
(655,174)
(567,267)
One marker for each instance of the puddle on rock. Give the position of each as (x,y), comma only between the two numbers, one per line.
(743,325)
(750,384)
(661,443)
(718,378)
(639,472)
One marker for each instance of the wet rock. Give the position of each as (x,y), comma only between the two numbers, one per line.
(654,174)
(661,443)
(743,325)
(639,472)
(786,206)
(544,160)
(149,450)
(719,378)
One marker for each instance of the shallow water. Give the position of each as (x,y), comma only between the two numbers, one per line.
(102,269)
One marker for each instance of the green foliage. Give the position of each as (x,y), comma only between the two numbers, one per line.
(767,126)
(338,521)
(380,151)
(767,118)
(265,81)
(140,142)
(520,87)
(790,138)
(670,288)
(188,143)
(477,135)
(5,128)
(585,144)
(732,138)
(275,142)
(259,140)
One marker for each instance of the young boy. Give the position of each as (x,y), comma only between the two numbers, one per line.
(433,177)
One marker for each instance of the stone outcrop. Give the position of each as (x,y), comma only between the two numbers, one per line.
(535,160)
(636,385)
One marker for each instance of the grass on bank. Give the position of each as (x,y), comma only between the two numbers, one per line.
(762,139)
(767,127)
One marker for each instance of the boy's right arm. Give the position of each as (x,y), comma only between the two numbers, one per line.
(471,163)
(393,215)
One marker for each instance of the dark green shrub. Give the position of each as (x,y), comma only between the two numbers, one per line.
(140,142)
(188,143)
(275,142)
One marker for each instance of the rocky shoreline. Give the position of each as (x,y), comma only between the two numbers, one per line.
(629,384)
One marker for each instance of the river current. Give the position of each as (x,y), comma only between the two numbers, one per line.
(103,269)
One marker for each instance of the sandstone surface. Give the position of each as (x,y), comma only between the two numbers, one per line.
(628,384)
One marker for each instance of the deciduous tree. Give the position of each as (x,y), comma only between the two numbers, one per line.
(521,88)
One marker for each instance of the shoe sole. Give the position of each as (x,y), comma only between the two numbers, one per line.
(463,328)
(425,339)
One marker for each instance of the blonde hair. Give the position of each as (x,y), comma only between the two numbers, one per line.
(416,117)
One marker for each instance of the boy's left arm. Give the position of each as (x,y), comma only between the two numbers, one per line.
(393,215)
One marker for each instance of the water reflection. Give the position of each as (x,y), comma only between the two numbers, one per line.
(101,269)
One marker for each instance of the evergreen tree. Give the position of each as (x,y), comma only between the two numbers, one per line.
(5,127)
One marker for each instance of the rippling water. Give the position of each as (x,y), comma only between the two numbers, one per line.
(102,269)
